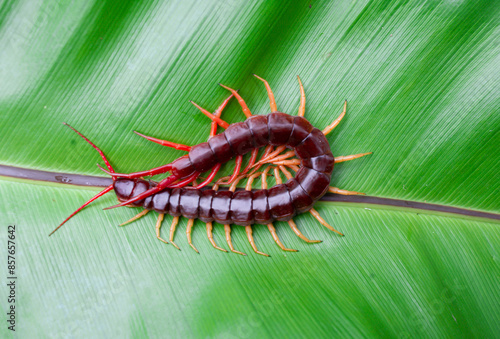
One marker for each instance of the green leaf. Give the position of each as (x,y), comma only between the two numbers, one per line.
(421,79)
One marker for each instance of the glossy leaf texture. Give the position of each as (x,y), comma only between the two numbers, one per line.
(421,80)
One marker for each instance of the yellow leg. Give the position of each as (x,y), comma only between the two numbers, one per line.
(227,229)
(277,240)
(336,190)
(302,107)
(242,103)
(343,158)
(188,233)
(158,226)
(277,176)
(264,177)
(334,124)
(287,174)
(138,216)
(272,102)
(299,234)
(266,158)
(281,157)
(248,229)
(211,237)
(175,221)
(322,221)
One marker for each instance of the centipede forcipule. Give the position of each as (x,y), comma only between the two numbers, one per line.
(276,131)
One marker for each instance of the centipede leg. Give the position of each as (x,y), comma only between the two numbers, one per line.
(302,107)
(336,190)
(334,124)
(173,226)
(165,142)
(242,103)
(277,240)
(322,221)
(237,168)
(158,226)
(343,158)
(272,102)
(251,162)
(248,229)
(188,233)
(213,117)
(227,229)
(293,226)
(217,113)
(138,216)
(211,237)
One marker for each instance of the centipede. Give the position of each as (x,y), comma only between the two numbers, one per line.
(286,143)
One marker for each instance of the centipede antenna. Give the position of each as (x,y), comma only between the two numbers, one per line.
(242,103)
(293,226)
(217,113)
(277,240)
(336,190)
(98,195)
(134,218)
(248,230)
(323,222)
(334,124)
(159,222)
(218,120)
(302,107)
(211,237)
(343,158)
(188,233)
(175,221)
(151,172)
(167,143)
(95,147)
(272,102)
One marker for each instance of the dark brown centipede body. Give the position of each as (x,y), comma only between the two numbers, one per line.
(280,202)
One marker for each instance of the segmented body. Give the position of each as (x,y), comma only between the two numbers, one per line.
(281,202)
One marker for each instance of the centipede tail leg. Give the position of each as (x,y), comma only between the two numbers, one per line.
(189,229)
(272,102)
(134,218)
(98,195)
(211,237)
(343,158)
(242,103)
(158,227)
(302,107)
(165,142)
(334,124)
(173,226)
(227,229)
